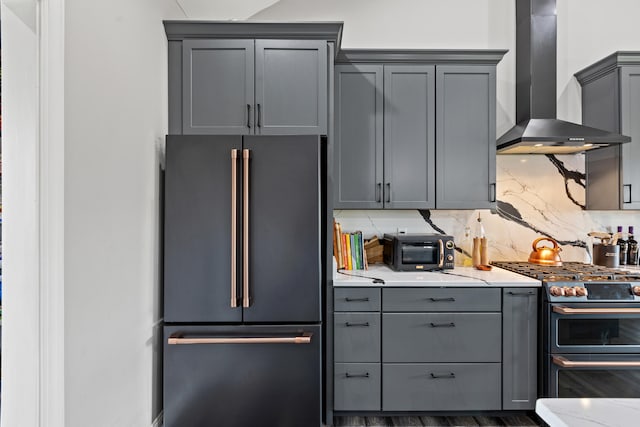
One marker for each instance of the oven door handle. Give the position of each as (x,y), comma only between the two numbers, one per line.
(567,310)
(566,363)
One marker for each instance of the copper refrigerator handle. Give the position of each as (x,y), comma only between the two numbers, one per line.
(567,310)
(566,363)
(441,263)
(234,227)
(305,338)
(245,229)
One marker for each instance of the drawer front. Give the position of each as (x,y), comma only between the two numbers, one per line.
(441,299)
(356,299)
(441,387)
(356,386)
(356,337)
(441,337)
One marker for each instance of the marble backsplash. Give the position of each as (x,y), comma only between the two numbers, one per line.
(538,195)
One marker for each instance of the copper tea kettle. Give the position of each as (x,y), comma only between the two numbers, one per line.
(544,255)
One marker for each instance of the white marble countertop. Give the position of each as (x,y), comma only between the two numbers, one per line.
(459,276)
(589,412)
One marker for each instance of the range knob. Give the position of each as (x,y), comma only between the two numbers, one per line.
(569,292)
(556,291)
(580,291)
(636,290)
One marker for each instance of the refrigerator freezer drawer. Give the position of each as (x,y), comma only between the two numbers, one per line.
(242,375)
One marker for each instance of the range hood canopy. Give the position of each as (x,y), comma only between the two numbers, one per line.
(537,131)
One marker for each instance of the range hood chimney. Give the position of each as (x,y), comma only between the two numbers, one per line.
(537,131)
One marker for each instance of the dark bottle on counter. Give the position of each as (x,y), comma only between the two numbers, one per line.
(632,258)
(624,247)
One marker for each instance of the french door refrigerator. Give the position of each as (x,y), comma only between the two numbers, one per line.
(242,281)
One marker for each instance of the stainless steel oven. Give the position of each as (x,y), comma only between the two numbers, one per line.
(589,331)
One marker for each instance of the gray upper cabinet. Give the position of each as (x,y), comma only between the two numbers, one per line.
(466,136)
(611,101)
(358,147)
(218,86)
(415,129)
(250,78)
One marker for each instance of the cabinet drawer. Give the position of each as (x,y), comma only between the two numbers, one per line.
(356,299)
(356,337)
(441,337)
(356,386)
(441,299)
(441,386)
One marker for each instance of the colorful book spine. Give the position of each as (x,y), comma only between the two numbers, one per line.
(348,262)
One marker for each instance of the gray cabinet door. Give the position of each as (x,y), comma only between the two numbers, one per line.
(291,87)
(217,86)
(630,109)
(409,137)
(465,136)
(519,350)
(358,146)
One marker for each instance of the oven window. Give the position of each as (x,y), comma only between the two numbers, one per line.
(599,332)
(615,383)
(420,254)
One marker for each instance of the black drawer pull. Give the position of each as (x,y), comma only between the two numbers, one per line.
(347,299)
(450,299)
(442,325)
(349,324)
(365,375)
(520,293)
(450,375)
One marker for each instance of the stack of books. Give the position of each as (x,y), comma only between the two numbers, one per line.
(348,249)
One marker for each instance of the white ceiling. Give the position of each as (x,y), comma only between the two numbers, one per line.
(223,9)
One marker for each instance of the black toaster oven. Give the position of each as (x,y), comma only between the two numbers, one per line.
(418,252)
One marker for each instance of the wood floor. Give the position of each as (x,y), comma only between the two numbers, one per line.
(462,421)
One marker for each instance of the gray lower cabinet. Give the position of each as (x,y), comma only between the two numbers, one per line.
(412,133)
(611,101)
(519,349)
(246,86)
(357,386)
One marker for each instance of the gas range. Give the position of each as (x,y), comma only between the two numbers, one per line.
(580,282)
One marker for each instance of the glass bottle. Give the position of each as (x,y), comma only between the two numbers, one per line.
(624,247)
(632,258)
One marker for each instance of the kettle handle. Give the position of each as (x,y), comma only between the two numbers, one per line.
(535,243)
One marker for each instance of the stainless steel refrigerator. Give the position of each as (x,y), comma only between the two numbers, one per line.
(243,232)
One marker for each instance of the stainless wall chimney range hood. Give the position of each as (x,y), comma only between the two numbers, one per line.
(537,131)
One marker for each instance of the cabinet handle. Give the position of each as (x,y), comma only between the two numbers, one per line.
(378,191)
(520,293)
(442,325)
(388,192)
(624,187)
(363,324)
(365,375)
(249,116)
(492,192)
(450,299)
(259,114)
(305,338)
(450,375)
(356,299)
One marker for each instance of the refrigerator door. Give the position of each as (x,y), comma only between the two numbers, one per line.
(284,229)
(198,228)
(217,376)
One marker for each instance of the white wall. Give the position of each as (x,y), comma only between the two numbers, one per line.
(20,334)
(589,30)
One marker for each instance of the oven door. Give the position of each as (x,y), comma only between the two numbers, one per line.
(594,328)
(593,375)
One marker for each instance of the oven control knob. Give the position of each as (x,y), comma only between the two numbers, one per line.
(581,292)
(569,292)
(636,290)
(449,258)
(449,244)
(556,291)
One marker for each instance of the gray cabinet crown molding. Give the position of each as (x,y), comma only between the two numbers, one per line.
(606,65)
(186,29)
(424,56)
